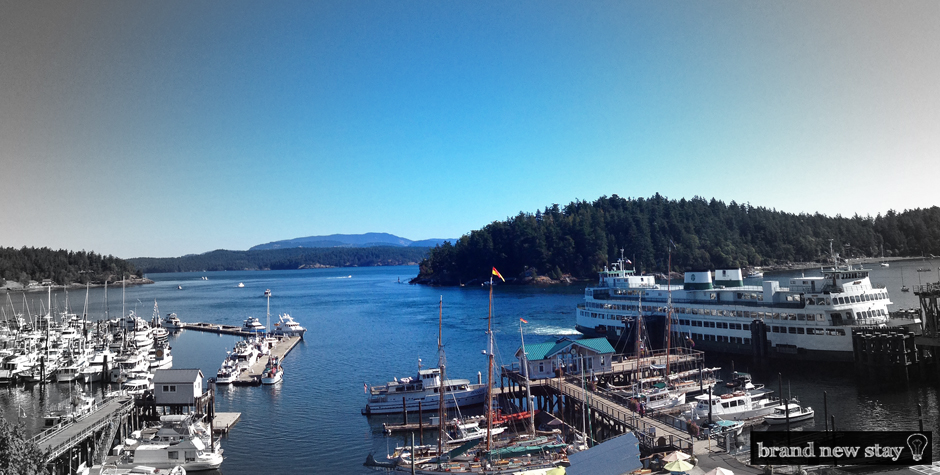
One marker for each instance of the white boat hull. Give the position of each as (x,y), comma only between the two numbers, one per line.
(428,403)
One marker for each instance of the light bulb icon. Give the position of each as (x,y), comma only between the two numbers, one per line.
(917,443)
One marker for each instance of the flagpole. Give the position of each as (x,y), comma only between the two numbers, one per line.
(489,371)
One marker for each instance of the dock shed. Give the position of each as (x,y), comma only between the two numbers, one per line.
(177,387)
(544,359)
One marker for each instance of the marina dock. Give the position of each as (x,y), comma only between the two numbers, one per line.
(252,377)
(216,328)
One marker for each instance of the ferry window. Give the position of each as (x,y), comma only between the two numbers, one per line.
(799,331)
(776,316)
(791,330)
(713,296)
(746,326)
(173,455)
(840,332)
(801,316)
(740,295)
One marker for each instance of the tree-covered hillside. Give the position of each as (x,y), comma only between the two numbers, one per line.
(580,238)
(283,259)
(63,267)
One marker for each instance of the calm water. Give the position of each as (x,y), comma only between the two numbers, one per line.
(365,327)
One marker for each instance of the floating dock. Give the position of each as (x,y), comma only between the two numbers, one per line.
(223,421)
(216,328)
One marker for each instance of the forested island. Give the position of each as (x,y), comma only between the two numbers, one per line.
(579,239)
(20,266)
(284,259)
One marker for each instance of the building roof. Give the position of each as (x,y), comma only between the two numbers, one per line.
(616,456)
(600,345)
(176,375)
(541,351)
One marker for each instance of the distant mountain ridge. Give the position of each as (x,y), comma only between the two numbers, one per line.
(349,240)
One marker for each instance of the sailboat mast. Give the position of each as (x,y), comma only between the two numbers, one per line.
(441,411)
(528,394)
(669,317)
(489,371)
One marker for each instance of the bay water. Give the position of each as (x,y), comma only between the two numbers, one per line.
(366,326)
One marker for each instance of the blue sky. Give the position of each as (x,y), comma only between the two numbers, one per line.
(168,128)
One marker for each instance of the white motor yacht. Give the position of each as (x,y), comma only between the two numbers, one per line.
(253,325)
(287,326)
(736,406)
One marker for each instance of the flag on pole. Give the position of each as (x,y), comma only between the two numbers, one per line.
(497,274)
(628,261)
(523,320)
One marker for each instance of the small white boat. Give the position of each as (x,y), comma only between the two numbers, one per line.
(796,412)
(241,285)
(469,430)
(721,427)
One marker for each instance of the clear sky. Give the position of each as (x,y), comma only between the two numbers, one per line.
(177,127)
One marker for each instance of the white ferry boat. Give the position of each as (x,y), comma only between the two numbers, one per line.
(810,319)
(424,388)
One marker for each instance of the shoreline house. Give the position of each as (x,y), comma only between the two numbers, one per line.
(544,359)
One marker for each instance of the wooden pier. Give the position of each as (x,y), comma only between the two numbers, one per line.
(608,418)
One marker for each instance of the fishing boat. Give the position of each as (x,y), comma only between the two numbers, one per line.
(807,318)
(792,412)
(273,372)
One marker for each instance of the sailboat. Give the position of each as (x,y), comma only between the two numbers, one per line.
(522,457)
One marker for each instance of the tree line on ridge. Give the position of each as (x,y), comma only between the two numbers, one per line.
(582,237)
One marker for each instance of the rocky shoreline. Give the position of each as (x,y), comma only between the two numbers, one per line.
(18,287)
